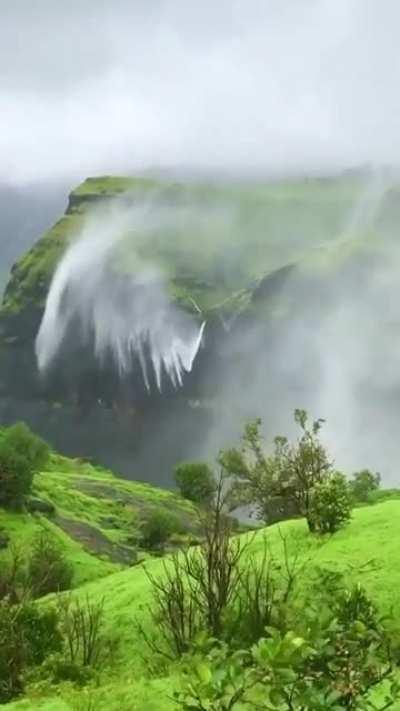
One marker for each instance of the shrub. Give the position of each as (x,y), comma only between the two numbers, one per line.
(195,482)
(158,528)
(331,504)
(364,483)
(27,635)
(22,454)
(47,568)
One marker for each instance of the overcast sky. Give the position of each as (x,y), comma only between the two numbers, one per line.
(101,86)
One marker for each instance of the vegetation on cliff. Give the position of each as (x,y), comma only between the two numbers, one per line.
(252,230)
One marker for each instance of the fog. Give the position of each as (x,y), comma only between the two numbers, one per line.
(125,315)
(268,87)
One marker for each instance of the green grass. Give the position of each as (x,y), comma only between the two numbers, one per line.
(367,551)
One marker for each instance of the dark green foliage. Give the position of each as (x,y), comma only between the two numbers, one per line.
(27,635)
(41,633)
(4,538)
(47,567)
(158,528)
(22,454)
(195,482)
(364,483)
(330,504)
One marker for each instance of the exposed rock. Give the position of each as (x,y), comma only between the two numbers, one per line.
(94,541)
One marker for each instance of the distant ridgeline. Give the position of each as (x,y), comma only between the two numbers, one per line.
(162,289)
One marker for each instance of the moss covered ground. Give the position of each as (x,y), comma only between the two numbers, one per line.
(367,551)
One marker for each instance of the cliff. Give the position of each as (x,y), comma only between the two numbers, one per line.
(248,257)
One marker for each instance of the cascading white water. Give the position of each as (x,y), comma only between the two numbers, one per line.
(125,313)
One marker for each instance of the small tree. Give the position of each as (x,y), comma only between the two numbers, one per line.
(331,504)
(47,567)
(285,478)
(195,482)
(363,483)
(22,454)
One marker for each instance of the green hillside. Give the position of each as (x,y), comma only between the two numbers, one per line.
(366,551)
(97,517)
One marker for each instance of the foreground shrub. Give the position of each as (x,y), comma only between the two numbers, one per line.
(47,567)
(195,482)
(158,528)
(332,658)
(22,454)
(330,504)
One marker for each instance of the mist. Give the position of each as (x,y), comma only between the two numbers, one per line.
(336,352)
(126,316)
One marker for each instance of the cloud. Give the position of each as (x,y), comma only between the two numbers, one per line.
(236,86)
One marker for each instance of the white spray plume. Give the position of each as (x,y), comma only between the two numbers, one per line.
(125,314)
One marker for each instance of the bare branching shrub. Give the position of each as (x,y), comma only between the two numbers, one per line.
(81,624)
(216,588)
(13,580)
(197,585)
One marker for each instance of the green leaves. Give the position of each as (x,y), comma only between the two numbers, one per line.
(334,655)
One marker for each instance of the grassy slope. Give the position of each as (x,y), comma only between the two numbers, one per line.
(368,550)
(112,508)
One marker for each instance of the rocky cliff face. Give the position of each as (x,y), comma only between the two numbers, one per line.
(244,258)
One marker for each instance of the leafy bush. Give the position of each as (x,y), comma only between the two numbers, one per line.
(47,567)
(330,504)
(158,528)
(27,635)
(195,482)
(22,454)
(332,658)
(364,483)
